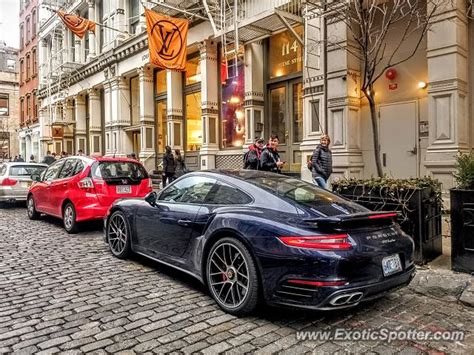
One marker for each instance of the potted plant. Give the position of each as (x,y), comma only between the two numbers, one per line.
(462,214)
(418,202)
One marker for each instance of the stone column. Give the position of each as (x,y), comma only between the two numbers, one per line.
(254,93)
(209,105)
(121,21)
(147,127)
(95,126)
(174,108)
(343,105)
(65,45)
(92,41)
(80,132)
(120,142)
(448,106)
(77,50)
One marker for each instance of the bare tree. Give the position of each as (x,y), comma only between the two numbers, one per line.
(369,22)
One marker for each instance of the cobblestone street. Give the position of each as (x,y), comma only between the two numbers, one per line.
(67,293)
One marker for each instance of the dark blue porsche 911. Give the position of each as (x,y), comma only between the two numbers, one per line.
(251,235)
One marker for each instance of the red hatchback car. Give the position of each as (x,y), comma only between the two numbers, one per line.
(79,188)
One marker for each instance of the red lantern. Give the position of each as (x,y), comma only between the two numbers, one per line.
(391,74)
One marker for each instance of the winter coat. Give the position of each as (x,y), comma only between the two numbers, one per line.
(252,158)
(269,159)
(169,164)
(180,167)
(49,159)
(322,162)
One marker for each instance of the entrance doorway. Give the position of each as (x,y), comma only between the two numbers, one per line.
(285,112)
(399,139)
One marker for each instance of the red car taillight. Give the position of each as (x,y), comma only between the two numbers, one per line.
(86,183)
(150,183)
(320,242)
(318,283)
(9,182)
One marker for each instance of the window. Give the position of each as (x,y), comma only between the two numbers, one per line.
(22,110)
(160,82)
(233,117)
(28,107)
(35,107)
(192,189)
(3,169)
(68,169)
(96,142)
(4,105)
(22,71)
(28,29)
(33,24)
(193,122)
(35,63)
(119,170)
(149,138)
(53,170)
(79,167)
(22,36)
(134,15)
(161,132)
(223,194)
(28,68)
(315,124)
(26,170)
(193,70)
(11,64)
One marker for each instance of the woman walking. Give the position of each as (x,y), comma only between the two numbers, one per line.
(180,164)
(322,162)
(169,166)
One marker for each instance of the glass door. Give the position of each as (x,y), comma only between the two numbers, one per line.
(286,120)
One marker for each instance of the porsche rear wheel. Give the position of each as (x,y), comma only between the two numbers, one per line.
(231,276)
(118,235)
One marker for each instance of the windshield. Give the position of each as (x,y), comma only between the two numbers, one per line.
(26,170)
(119,170)
(316,199)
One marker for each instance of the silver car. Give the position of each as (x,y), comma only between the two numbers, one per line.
(15,180)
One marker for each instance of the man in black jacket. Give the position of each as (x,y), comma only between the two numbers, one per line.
(48,159)
(270,159)
(169,166)
(322,162)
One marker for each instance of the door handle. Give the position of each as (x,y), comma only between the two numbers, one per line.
(184,222)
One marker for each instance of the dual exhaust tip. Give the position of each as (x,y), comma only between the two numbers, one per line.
(346,299)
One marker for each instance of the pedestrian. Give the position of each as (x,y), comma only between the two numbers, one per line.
(32,159)
(252,157)
(80,153)
(15,159)
(270,159)
(321,162)
(48,159)
(169,166)
(20,159)
(180,164)
(133,156)
(53,154)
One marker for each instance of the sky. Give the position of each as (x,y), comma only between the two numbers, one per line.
(10,22)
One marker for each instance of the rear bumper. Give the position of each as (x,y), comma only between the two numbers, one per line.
(331,298)
(10,195)
(90,208)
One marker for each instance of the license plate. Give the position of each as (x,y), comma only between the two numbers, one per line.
(124,189)
(26,184)
(391,265)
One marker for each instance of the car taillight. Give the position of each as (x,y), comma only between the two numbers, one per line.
(150,183)
(318,283)
(86,183)
(9,182)
(383,215)
(320,242)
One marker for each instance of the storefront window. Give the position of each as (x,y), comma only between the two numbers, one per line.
(160,119)
(160,82)
(286,53)
(193,122)
(297,112)
(193,70)
(233,117)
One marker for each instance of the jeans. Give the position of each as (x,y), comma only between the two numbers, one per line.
(318,180)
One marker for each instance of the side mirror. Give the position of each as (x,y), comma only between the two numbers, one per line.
(151,198)
(35,177)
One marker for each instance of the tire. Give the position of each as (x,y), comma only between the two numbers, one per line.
(235,289)
(118,235)
(69,219)
(33,214)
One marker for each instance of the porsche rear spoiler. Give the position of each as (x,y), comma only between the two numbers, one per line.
(354,220)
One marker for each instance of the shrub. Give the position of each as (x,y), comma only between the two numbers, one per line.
(464,174)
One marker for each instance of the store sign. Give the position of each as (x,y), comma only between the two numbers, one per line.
(286,53)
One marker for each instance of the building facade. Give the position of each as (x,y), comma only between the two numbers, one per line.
(9,103)
(29,133)
(271,75)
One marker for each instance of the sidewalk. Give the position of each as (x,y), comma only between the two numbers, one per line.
(437,280)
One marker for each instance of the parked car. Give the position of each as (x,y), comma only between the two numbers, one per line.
(79,188)
(15,180)
(251,234)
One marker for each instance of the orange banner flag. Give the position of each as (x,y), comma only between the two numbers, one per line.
(78,25)
(167,40)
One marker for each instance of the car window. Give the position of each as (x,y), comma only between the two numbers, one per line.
(53,170)
(193,189)
(3,169)
(79,167)
(223,194)
(26,170)
(119,170)
(68,169)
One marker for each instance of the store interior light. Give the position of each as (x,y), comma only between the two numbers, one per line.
(422,85)
(234,100)
(239,114)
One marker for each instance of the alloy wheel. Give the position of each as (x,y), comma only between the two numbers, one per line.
(117,234)
(228,275)
(68,217)
(31,207)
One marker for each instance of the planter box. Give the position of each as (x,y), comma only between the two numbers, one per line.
(420,214)
(462,230)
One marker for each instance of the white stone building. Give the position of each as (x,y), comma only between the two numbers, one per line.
(101,95)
